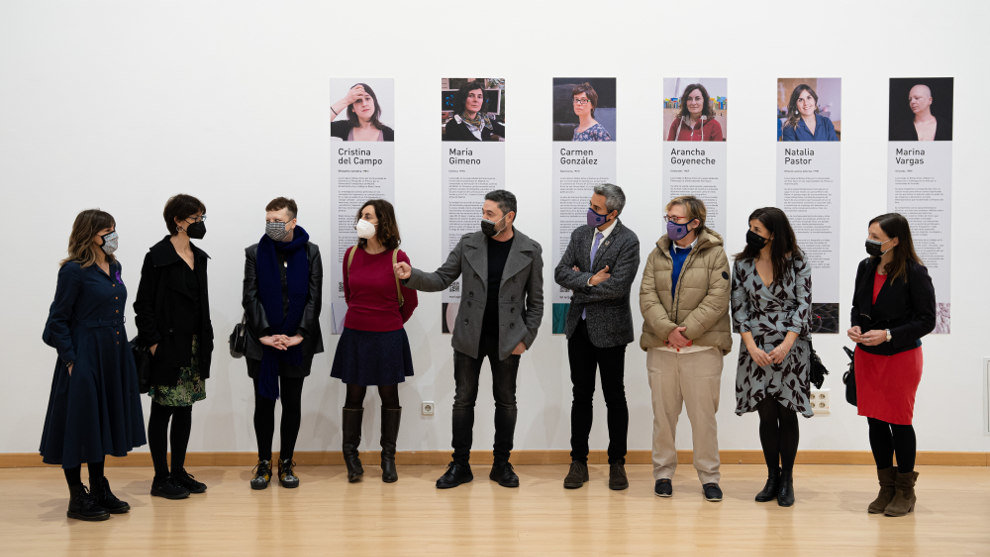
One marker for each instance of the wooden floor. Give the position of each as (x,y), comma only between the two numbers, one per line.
(326,515)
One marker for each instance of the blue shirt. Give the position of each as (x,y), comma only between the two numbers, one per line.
(679,255)
(824,131)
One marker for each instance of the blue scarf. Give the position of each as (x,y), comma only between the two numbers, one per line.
(270,294)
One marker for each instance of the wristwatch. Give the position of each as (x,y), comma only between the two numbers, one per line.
(888,334)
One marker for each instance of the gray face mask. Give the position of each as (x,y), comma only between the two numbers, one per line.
(276,231)
(110,241)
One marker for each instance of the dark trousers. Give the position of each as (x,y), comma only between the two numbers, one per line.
(467,371)
(290,393)
(584,358)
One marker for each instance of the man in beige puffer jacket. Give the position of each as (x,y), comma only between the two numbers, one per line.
(684,298)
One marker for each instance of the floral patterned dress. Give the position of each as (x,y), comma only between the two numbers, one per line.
(596,132)
(769,313)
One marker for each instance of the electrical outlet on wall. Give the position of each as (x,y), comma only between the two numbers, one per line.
(821,401)
(428,407)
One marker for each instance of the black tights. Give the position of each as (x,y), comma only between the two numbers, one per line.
(887,439)
(290,392)
(388,393)
(778,434)
(181,417)
(73,475)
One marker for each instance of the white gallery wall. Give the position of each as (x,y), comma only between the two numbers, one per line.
(119,105)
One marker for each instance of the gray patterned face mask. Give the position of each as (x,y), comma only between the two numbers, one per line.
(276,230)
(110,241)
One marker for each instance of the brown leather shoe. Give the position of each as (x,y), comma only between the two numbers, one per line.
(617,480)
(577,475)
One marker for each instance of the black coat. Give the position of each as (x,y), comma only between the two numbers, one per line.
(257,321)
(906,307)
(454,131)
(163,313)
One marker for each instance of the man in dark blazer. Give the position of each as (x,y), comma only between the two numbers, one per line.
(599,266)
(501,307)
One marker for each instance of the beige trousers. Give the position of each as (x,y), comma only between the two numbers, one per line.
(689,380)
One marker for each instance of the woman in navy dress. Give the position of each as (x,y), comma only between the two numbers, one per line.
(94,408)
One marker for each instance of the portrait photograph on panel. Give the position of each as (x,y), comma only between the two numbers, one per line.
(472,108)
(584,109)
(809,109)
(362,109)
(695,108)
(920,109)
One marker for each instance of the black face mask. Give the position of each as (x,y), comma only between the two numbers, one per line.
(488,227)
(196,230)
(875,248)
(754,240)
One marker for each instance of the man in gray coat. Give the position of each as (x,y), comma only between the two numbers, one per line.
(599,266)
(500,312)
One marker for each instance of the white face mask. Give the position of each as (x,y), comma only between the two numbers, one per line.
(365,230)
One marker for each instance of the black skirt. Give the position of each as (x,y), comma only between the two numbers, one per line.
(372,358)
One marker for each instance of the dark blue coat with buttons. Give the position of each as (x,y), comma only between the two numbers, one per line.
(95,411)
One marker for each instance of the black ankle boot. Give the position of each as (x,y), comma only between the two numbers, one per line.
(82,505)
(390,432)
(351,425)
(771,488)
(106,499)
(785,497)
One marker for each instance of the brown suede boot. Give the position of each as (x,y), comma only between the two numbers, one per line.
(886,477)
(904,498)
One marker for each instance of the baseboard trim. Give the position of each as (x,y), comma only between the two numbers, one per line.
(439,458)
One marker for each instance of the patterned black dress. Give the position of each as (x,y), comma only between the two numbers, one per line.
(769,313)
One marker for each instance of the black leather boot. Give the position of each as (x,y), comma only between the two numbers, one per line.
(390,432)
(83,506)
(770,489)
(785,497)
(351,424)
(106,499)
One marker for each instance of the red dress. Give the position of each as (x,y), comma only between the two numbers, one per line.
(886,385)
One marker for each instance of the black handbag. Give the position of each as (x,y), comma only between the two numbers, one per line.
(818,370)
(238,339)
(849,377)
(142,360)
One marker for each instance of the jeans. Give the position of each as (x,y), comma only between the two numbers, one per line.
(467,371)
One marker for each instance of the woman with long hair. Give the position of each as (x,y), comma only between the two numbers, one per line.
(771,309)
(94,408)
(804,119)
(695,120)
(374,349)
(893,307)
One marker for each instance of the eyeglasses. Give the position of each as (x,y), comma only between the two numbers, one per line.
(673,219)
(582,102)
(201,218)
